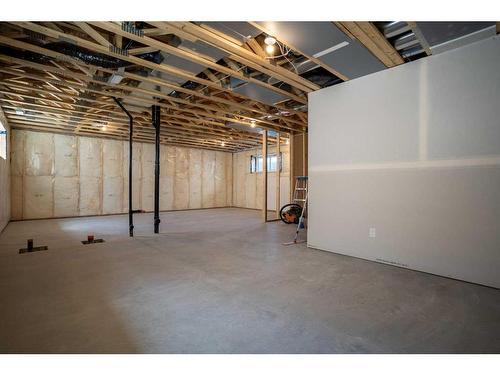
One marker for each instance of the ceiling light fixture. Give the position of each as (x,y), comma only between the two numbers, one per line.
(102,126)
(19,112)
(252,123)
(270,42)
(223,144)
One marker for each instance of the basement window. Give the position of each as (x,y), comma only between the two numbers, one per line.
(272,163)
(3,141)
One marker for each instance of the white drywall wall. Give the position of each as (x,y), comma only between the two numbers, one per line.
(414,153)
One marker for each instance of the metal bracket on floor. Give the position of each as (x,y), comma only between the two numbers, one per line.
(30,248)
(91,239)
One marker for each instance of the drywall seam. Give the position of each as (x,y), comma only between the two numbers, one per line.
(454,163)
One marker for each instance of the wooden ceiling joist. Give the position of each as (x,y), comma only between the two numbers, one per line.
(118,118)
(190,56)
(109,112)
(82,115)
(92,33)
(165,134)
(290,45)
(240,54)
(165,68)
(374,41)
(67,95)
(153,80)
(63,130)
(207,112)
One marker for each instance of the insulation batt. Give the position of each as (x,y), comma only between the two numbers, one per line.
(54,175)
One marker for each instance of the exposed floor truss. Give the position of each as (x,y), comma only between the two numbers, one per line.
(62,77)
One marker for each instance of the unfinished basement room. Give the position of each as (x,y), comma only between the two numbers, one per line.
(249,187)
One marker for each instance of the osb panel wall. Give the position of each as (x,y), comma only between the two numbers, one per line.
(248,187)
(55,175)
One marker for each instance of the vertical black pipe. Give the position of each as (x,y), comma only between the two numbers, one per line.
(156,123)
(130,134)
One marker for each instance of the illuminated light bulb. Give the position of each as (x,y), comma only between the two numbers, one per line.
(223,144)
(270,49)
(252,123)
(270,41)
(287,141)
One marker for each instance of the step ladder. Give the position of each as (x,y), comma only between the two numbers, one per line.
(300,191)
(300,195)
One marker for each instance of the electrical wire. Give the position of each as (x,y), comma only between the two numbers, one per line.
(291,63)
(284,53)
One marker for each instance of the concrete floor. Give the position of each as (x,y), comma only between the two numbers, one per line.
(219,281)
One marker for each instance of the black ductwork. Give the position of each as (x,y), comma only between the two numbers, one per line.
(321,77)
(24,55)
(99,59)
(190,85)
(80,53)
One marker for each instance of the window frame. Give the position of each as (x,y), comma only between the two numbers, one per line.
(3,141)
(254,163)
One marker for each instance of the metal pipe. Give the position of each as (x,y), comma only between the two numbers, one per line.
(155,112)
(264,174)
(130,135)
